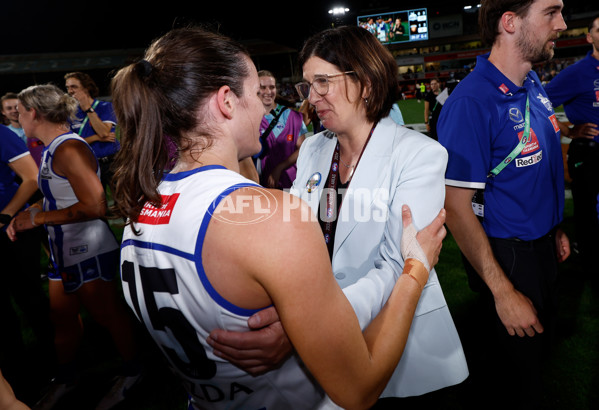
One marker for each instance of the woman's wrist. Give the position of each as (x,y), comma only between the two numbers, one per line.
(416,270)
(33,212)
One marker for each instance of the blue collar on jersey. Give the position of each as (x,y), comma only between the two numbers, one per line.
(184,174)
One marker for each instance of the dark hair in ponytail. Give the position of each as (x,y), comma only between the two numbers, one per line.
(160,99)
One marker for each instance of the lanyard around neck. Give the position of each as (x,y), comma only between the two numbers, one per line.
(518,148)
(332,198)
(84,123)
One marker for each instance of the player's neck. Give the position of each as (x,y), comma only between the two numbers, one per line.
(511,64)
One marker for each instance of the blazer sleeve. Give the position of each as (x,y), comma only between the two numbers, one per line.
(418,181)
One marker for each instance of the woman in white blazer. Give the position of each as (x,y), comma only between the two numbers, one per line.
(372,166)
(382,166)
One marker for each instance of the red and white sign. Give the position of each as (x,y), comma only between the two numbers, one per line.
(152,215)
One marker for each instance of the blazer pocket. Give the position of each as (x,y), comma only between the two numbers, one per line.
(431,299)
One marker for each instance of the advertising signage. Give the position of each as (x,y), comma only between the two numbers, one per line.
(398,26)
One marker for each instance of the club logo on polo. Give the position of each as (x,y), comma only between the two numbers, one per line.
(515,115)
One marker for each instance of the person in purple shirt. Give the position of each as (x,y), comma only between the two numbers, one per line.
(577,89)
(280,145)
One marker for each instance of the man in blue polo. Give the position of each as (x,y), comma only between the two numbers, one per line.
(577,88)
(95,121)
(503,140)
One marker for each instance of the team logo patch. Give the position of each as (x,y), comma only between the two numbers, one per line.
(530,160)
(515,115)
(45,172)
(545,101)
(152,215)
(554,122)
(504,88)
(532,145)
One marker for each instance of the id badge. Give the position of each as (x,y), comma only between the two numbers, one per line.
(478,204)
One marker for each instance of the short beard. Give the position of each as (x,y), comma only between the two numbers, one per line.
(525,44)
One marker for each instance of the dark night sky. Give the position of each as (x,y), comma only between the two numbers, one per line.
(43,26)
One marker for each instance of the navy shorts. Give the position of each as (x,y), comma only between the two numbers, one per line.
(104,266)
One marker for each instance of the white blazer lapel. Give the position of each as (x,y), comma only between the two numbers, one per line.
(367,182)
(317,166)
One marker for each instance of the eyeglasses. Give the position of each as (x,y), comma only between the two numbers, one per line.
(320,84)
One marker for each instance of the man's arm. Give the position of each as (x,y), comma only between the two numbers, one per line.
(586,130)
(110,137)
(101,128)
(515,310)
(26,169)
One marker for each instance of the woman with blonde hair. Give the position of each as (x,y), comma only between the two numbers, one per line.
(84,250)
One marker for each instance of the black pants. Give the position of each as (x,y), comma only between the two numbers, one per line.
(506,371)
(583,167)
(21,283)
(106,171)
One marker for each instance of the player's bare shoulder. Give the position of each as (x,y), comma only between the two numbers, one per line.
(259,207)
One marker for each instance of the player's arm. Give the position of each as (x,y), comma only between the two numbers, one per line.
(515,310)
(76,162)
(296,274)
(8,401)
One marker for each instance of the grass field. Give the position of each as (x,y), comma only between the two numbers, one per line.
(572,379)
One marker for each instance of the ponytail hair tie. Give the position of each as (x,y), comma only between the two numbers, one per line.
(143,68)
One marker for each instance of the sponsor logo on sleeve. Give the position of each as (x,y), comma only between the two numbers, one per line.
(554,122)
(152,215)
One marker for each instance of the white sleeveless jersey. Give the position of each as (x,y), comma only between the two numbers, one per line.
(75,242)
(165,284)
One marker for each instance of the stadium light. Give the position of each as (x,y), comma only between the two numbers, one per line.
(336,11)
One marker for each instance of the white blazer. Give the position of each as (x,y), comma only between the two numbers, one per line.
(398,166)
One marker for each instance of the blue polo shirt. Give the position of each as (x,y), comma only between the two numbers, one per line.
(577,88)
(11,149)
(82,127)
(480,124)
